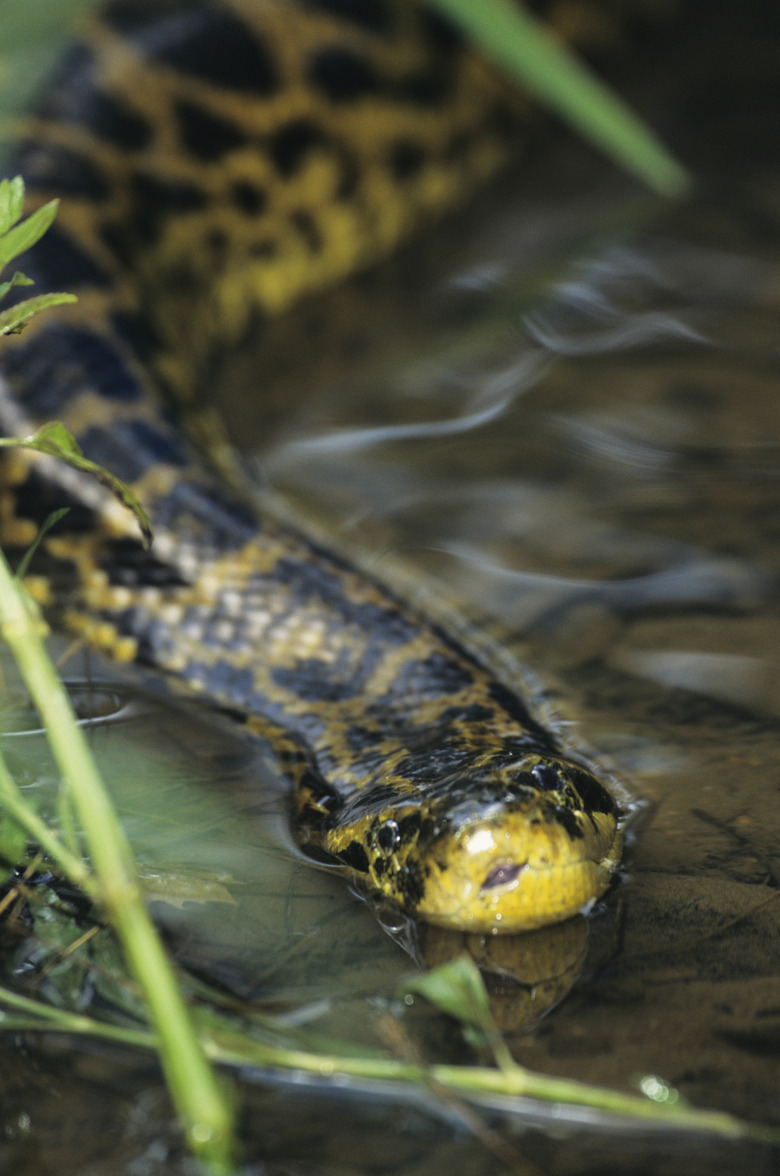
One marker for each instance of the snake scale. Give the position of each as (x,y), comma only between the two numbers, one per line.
(218,160)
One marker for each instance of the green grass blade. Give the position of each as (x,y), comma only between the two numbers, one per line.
(532,55)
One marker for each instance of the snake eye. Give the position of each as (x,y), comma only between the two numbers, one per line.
(387,837)
(502,875)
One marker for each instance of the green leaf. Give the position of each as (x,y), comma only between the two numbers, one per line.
(12,321)
(11,202)
(55,440)
(458,990)
(17,280)
(24,235)
(553,74)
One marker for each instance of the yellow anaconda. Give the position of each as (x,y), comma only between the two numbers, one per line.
(216,161)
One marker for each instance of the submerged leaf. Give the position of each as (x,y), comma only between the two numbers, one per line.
(176,889)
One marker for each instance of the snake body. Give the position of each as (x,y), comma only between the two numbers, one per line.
(217,161)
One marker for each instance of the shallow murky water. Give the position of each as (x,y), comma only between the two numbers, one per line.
(577,444)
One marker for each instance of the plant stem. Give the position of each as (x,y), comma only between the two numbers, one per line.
(200,1097)
(231,1048)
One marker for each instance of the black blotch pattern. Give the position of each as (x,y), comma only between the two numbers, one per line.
(58,263)
(468,716)
(314,680)
(38,497)
(342,76)
(110,119)
(213,507)
(62,574)
(62,361)
(349,179)
(375,16)
(217,242)
(73,97)
(61,170)
(566,818)
(355,857)
(132,17)
(307,228)
(155,201)
(429,87)
(410,827)
(381,867)
(289,146)
(363,738)
(204,134)
(136,332)
(435,676)
(127,563)
(265,250)
(406,159)
(248,198)
(119,242)
(458,146)
(411,884)
(593,794)
(129,448)
(198,39)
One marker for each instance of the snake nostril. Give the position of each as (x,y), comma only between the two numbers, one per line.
(502,875)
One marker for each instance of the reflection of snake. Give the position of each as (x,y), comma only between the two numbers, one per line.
(216,162)
(525,976)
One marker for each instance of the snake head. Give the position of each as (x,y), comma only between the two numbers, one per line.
(501,849)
